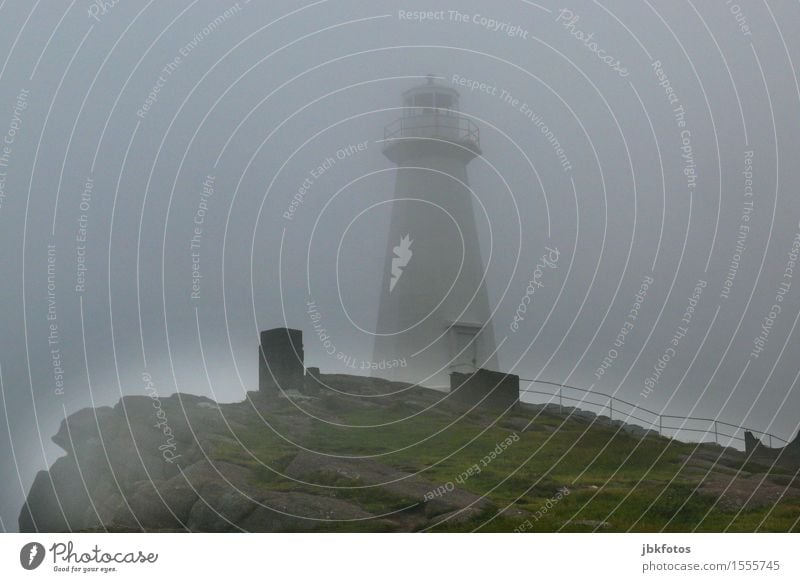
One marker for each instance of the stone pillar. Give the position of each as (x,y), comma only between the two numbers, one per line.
(499,389)
(751,443)
(280,361)
(312,384)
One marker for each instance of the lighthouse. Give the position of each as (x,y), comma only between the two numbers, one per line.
(435,316)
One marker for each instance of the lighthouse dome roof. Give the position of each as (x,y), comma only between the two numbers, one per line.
(431,85)
(432,94)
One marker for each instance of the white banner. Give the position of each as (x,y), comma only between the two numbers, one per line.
(386,557)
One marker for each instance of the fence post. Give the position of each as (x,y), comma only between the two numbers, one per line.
(560,402)
(770,441)
(716,434)
(611,408)
(660,427)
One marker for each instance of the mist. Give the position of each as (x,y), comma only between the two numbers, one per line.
(151,224)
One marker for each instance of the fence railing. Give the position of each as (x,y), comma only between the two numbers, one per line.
(435,125)
(669,425)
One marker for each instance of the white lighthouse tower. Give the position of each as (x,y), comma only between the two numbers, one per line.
(434,309)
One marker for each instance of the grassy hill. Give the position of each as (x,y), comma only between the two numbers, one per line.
(369,455)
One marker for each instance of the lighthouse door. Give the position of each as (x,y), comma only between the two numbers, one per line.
(464,355)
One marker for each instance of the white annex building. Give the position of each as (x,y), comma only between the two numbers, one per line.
(434,308)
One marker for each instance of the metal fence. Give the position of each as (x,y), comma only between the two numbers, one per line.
(686,428)
(435,125)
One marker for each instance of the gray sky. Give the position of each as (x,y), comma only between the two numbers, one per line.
(251,104)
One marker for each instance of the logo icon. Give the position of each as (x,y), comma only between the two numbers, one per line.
(32,555)
(403,254)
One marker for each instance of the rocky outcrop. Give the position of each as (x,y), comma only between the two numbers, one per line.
(352,453)
(160,464)
(113,455)
(788,456)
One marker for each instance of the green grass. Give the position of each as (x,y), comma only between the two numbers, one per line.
(635,487)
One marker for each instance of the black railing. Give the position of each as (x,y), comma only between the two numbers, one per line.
(656,421)
(438,124)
